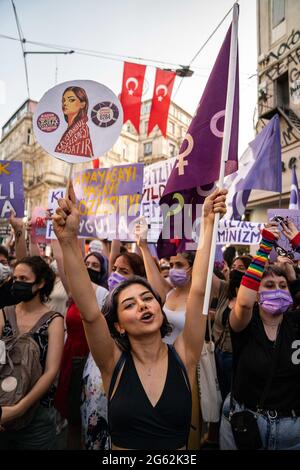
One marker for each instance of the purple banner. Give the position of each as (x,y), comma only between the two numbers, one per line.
(11,189)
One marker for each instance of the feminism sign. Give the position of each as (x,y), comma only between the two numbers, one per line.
(78,121)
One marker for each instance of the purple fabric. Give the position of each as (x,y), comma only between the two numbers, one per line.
(11,189)
(202,164)
(295,195)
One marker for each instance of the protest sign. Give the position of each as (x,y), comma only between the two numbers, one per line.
(235,232)
(53,197)
(294,215)
(38,225)
(11,189)
(155,179)
(78,121)
(108,201)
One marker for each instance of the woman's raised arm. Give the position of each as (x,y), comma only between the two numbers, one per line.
(102,346)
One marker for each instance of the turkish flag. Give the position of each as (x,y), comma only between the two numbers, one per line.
(164,82)
(131,96)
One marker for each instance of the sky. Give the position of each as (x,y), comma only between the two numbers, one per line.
(168,31)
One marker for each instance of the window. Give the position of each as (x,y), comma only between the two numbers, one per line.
(28,140)
(171,127)
(278,12)
(146,108)
(147,149)
(146,126)
(172,150)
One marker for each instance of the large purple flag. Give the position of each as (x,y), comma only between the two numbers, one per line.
(259,168)
(200,153)
(199,159)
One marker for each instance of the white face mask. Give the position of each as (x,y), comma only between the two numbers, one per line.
(5,271)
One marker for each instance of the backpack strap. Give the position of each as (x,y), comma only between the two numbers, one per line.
(9,313)
(44,318)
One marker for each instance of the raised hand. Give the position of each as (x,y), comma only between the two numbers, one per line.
(272,227)
(66,218)
(141,231)
(215,203)
(16,223)
(289,229)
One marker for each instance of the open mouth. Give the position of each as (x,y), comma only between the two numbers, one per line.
(147,317)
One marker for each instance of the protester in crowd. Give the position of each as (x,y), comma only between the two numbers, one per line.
(94,402)
(174,295)
(229,255)
(226,293)
(265,336)
(138,324)
(164,265)
(32,284)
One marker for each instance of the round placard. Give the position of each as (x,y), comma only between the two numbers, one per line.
(78,121)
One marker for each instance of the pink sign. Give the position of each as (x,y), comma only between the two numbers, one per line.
(38,225)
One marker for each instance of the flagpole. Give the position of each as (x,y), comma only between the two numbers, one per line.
(225,145)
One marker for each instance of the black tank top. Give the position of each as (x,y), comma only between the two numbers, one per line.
(134,423)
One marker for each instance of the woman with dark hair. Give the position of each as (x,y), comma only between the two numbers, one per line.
(33,282)
(149,386)
(263,411)
(125,266)
(76,139)
(226,292)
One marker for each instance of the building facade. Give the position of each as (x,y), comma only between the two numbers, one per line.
(278,32)
(42,172)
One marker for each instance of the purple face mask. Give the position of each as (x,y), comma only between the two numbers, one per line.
(115,279)
(275,302)
(178,277)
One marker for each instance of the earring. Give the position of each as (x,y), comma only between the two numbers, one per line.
(123,334)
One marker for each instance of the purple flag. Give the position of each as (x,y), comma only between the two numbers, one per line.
(259,168)
(11,189)
(295,196)
(198,162)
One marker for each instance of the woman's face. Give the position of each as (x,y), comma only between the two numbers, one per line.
(121,266)
(179,262)
(24,273)
(93,263)
(238,265)
(273,283)
(71,104)
(138,311)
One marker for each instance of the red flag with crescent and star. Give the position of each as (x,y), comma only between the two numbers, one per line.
(161,99)
(131,95)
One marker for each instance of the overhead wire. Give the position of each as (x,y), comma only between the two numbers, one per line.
(22,42)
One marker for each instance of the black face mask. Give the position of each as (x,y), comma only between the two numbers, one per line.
(235,278)
(22,291)
(95,276)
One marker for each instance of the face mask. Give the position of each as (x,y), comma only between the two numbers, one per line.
(5,271)
(95,276)
(235,278)
(275,302)
(115,279)
(22,291)
(178,277)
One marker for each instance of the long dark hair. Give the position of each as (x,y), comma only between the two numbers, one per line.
(82,96)
(110,311)
(42,272)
